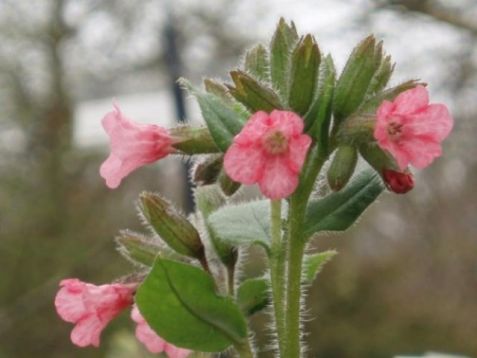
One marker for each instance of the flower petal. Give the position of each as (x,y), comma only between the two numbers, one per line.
(279,180)
(411,100)
(88,331)
(244,164)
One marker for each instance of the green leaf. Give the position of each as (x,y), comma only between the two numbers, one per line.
(137,248)
(353,83)
(338,211)
(253,295)
(252,94)
(243,224)
(313,264)
(257,63)
(318,117)
(304,71)
(180,304)
(283,40)
(223,121)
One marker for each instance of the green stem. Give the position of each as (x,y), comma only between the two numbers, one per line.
(296,249)
(277,273)
(244,349)
(231,280)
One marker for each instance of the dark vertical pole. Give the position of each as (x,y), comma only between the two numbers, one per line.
(174,70)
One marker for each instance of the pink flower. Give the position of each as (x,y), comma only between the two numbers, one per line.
(152,341)
(91,307)
(132,146)
(270,150)
(411,129)
(398,182)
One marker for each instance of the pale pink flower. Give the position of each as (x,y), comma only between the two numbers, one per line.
(132,146)
(152,341)
(411,129)
(270,150)
(398,182)
(91,307)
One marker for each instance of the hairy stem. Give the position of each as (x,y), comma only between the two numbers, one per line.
(296,249)
(277,273)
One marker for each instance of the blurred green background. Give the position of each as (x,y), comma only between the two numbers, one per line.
(405,281)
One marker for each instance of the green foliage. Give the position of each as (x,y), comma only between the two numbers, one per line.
(257,63)
(223,121)
(304,71)
(136,248)
(338,211)
(283,40)
(173,228)
(313,264)
(179,302)
(209,199)
(243,224)
(318,118)
(253,295)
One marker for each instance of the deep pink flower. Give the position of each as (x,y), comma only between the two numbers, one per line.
(132,146)
(411,129)
(152,341)
(270,150)
(91,307)
(398,182)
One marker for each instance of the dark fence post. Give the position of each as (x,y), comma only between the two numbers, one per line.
(174,71)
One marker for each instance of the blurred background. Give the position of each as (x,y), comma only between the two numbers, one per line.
(405,281)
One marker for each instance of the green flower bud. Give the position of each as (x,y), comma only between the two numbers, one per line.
(137,248)
(252,94)
(305,63)
(342,167)
(173,228)
(257,63)
(190,140)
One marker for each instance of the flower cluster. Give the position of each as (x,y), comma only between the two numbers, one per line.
(285,115)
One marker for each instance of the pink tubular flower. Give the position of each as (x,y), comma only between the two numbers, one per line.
(411,129)
(91,307)
(132,146)
(270,150)
(152,341)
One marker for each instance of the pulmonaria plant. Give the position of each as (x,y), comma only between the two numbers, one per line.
(284,114)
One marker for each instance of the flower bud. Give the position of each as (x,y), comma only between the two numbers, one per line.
(176,231)
(228,186)
(257,62)
(136,248)
(207,171)
(305,63)
(190,140)
(398,182)
(254,95)
(342,167)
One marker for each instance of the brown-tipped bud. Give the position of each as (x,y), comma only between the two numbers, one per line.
(398,182)
(174,228)
(253,94)
(342,167)
(190,140)
(228,186)
(207,171)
